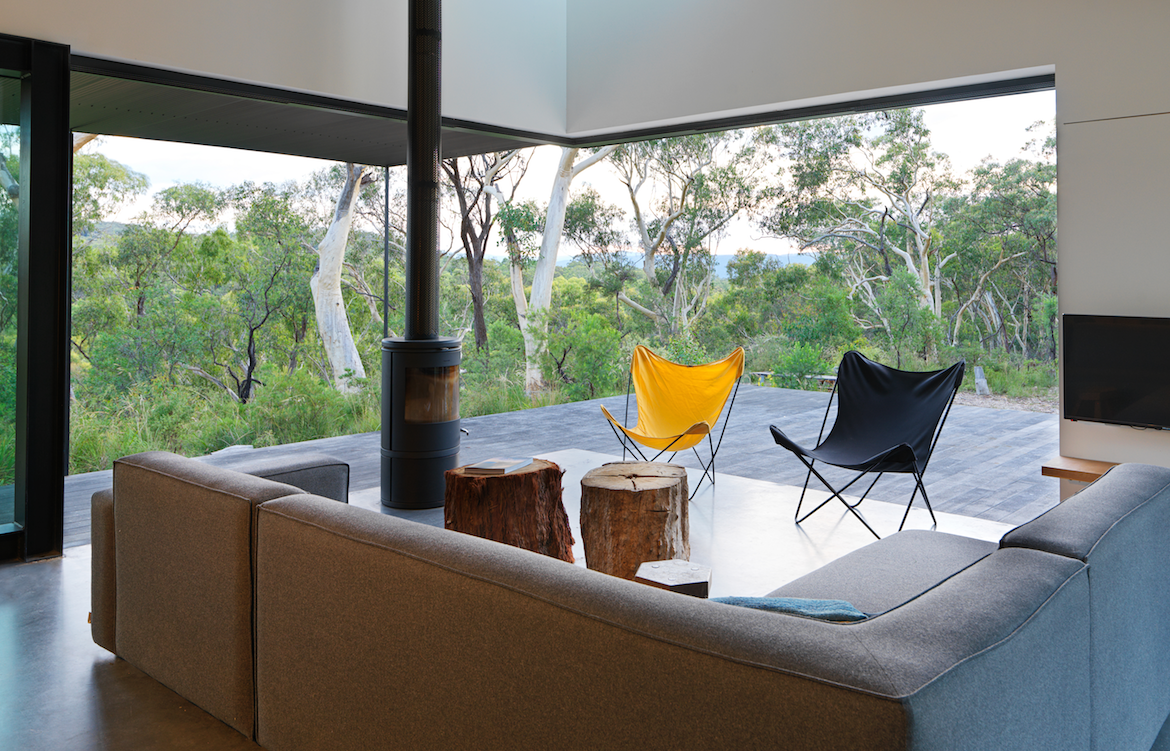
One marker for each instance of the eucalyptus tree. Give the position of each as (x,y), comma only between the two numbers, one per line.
(1006,227)
(382,210)
(866,187)
(266,273)
(101,186)
(146,249)
(683,193)
(593,227)
(345,362)
(531,309)
(475,181)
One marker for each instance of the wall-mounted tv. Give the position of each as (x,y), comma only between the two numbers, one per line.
(1117,370)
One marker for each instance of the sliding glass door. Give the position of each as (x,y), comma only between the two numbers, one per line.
(9,250)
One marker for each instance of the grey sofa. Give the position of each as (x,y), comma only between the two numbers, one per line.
(358,630)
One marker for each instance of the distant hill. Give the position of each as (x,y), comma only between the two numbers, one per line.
(722,260)
(105,231)
(804,259)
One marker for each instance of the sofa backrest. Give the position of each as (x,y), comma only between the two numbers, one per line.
(370,627)
(1120,527)
(183,558)
(994,657)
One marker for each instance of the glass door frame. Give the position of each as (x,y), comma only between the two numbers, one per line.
(44,280)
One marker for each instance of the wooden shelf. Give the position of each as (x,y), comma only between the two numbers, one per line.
(1071,468)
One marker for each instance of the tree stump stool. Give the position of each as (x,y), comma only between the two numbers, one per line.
(522,508)
(633,512)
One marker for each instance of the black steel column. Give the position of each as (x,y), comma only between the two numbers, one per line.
(420,371)
(44,282)
(424,131)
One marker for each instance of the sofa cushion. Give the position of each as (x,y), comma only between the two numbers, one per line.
(102,570)
(1074,527)
(184,577)
(371,627)
(891,571)
(1030,689)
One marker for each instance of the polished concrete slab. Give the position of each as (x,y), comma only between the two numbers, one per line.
(61,692)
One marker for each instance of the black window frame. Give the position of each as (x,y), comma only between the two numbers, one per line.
(44,285)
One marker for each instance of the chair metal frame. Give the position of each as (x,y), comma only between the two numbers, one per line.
(836,493)
(628,444)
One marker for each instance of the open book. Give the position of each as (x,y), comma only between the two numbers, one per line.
(498,465)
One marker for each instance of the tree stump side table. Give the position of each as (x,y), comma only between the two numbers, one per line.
(633,512)
(522,508)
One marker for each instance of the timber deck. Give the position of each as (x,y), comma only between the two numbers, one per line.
(987,464)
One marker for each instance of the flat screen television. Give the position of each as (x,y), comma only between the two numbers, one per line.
(1117,370)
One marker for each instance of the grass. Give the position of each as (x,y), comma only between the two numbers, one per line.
(1015,378)
(193,422)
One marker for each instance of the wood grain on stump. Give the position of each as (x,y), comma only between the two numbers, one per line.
(522,508)
(633,512)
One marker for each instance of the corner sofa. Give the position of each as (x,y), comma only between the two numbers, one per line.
(309,624)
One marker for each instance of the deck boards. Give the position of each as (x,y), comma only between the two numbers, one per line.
(987,464)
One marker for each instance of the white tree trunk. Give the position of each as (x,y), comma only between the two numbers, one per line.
(533,321)
(535,324)
(332,320)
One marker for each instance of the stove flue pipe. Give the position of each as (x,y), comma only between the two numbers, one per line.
(423,127)
(420,371)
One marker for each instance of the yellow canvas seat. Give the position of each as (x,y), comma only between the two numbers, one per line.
(678,405)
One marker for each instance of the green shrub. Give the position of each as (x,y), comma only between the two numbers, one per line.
(1017,377)
(584,357)
(685,350)
(797,363)
(488,395)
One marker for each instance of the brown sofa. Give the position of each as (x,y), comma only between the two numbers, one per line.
(172,568)
(346,629)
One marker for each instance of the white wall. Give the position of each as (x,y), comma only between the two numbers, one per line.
(504,63)
(636,63)
(1115,250)
(351,49)
(633,64)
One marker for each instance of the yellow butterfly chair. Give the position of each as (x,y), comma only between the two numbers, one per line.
(677,405)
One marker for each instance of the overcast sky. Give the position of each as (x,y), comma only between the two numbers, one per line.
(966,131)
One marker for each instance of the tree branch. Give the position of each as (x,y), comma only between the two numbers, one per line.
(638,308)
(592,159)
(209,377)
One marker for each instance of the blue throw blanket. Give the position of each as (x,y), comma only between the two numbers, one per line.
(826,610)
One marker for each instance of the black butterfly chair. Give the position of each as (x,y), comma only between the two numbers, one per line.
(887,421)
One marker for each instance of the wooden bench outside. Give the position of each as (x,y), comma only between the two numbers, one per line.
(759,376)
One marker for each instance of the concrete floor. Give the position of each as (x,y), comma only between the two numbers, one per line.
(63,693)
